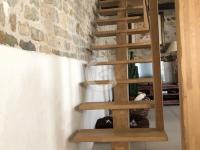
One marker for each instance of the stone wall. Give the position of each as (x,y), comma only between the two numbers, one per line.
(168,31)
(61,27)
(169,26)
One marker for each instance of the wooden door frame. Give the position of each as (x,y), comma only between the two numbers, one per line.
(188,38)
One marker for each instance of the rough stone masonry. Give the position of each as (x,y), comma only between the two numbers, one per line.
(61,27)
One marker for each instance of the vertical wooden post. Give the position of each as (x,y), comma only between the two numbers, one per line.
(121,117)
(188,38)
(155,46)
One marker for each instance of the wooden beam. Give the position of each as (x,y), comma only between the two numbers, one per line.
(155,46)
(121,117)
(188,37)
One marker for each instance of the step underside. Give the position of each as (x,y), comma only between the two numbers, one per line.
(110,135)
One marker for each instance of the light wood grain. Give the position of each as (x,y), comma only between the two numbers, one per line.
(121,117)
(115,106)
(155,46)
(188,36)
(129,135)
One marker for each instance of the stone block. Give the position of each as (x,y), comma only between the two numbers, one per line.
(27,45)
(24,29)
(56,3)
(12,3)
(37,34)
(2,15)
(7,39)
(49,13)
(60,32)
(31,13)
(45,49)
(36,3)
(13,22)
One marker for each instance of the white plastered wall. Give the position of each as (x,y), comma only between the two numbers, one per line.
(38,93)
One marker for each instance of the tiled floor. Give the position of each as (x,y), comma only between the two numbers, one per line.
(172,127)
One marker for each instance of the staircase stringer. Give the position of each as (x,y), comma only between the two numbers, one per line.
(155,47)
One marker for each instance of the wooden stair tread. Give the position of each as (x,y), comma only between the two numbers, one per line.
(128,135)
(123,62)
(115,106)
(115,21)
(115,32)
(114,11)
(108,3)
(113,3)
(132,45)
(113,82)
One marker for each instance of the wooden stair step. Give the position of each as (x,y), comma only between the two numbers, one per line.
(114,11)
(130,46)
(113,82)
(110,135)
(123,62)
(115,106)
(114,3)
(102,22)
(108,3)
(114,33)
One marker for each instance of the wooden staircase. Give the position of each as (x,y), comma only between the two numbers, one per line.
(125,12)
